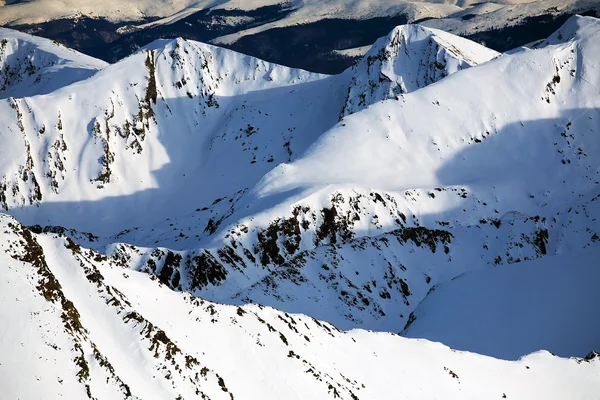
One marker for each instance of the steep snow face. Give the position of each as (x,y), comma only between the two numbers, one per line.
(516,310)
(78,325)
(409,58)
(576,29)
(32,65)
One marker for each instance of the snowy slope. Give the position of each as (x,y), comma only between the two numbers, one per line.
(162,120)
(240,118)
(77,325)
(485,117)
(217,129)
(33,65)
(165,119)
(516,310)
(196,174)
(409,58)
(471,153)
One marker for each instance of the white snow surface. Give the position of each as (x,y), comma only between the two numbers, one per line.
(33,65)
(103,141)
(516,310)
(187,174)
(77,325)
(353,52)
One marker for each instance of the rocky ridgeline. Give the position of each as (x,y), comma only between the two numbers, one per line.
(409,58)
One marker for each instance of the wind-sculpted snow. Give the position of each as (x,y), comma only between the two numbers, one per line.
(188,172)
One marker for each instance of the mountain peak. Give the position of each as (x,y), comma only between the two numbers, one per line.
(33,65)
(409,58)
(187,174)
(576,28)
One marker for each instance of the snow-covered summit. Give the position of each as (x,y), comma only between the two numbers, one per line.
(141,113)
(441,132)
(31,65)
(409,58)
(576,29)
(155,119)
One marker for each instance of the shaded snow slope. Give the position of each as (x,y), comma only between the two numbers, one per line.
(512,140)
(516,310)
(509,122)
(177,117)
(32,65)
(78,325)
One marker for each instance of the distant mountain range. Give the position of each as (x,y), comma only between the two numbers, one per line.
(306,34)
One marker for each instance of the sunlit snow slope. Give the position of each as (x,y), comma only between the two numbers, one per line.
(185,117)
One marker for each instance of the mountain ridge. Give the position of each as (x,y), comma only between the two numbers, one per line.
(36,66)
(188,174)
(92,331)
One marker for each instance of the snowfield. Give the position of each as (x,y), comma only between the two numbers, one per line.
(191,222)
(513,311)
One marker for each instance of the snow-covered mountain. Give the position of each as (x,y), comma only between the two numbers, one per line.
(141,114)
(79,325)
(311,34)
(409,58)
(187,174)
(32,65)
